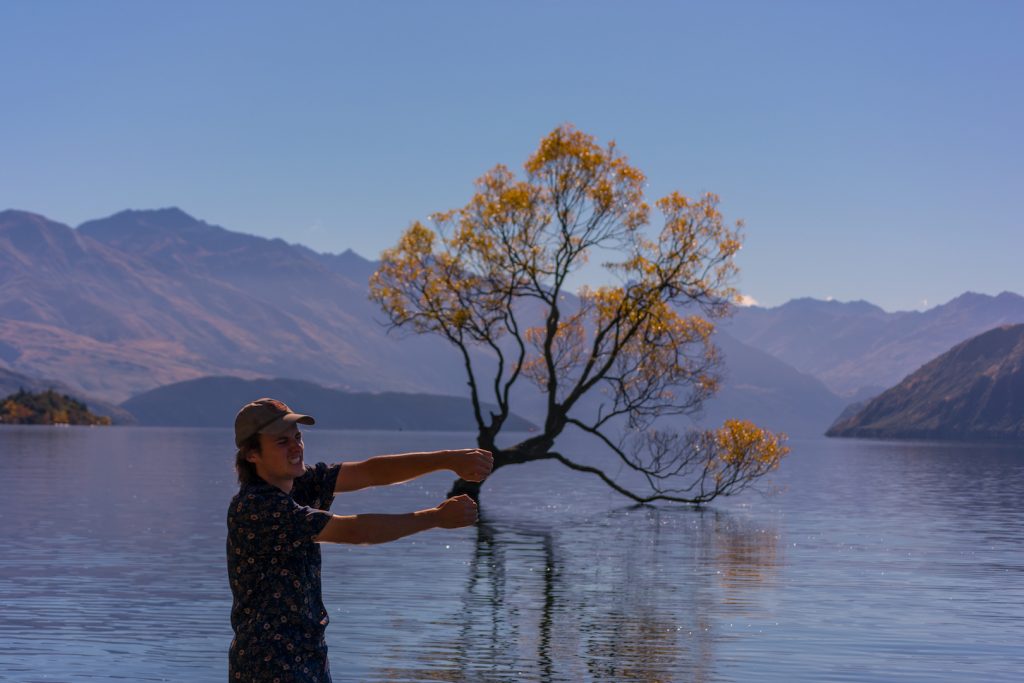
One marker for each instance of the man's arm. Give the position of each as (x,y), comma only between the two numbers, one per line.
(471,464)
(365,529)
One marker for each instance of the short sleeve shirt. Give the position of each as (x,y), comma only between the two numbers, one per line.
(274,567)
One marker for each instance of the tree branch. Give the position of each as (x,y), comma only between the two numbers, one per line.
(626,492)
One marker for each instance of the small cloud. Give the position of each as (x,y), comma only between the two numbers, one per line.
(316,228)
(830,298)
(745,300)
(924,303)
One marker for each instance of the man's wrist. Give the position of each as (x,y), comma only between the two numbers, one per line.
(447,459)
(431,517)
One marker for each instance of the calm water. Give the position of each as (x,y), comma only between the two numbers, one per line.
(866,562)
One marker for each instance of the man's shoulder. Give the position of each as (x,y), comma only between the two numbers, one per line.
(318,470)
(315,487)
(253,497)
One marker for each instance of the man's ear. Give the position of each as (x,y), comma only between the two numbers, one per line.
(251,455)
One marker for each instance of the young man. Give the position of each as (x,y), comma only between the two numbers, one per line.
(279,517)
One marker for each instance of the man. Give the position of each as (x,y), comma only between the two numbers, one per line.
(279,517)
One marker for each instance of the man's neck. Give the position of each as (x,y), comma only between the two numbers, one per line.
(283,484)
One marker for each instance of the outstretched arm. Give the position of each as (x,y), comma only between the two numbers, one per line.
(365,529)
(471,464)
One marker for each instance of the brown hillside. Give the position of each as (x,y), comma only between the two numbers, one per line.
(973,391)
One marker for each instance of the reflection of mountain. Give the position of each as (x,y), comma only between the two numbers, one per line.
(856,348)
(973,391)
(213,402)
(643,604)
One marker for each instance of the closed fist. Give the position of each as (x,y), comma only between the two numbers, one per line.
(456,512)
(472,464)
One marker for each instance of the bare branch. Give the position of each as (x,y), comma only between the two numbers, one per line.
(644,347)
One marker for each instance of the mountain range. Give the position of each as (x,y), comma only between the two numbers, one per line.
(143,299)
(147,298)
(856,349)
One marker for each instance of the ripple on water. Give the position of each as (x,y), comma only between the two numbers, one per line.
(873,562)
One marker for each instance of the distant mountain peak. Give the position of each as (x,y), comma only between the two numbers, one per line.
(166,214)
(970,296)
(26,220)
(170,219)
(971,300)
(833,305)
(31,235)
(348,263)
(18,214)
(353,257)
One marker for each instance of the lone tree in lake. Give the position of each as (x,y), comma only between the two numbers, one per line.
(615,362)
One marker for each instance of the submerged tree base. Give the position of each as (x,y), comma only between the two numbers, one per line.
(462,487)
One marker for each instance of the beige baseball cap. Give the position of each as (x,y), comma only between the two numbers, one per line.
(266,416)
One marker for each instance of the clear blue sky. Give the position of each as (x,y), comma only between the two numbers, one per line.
(874,149)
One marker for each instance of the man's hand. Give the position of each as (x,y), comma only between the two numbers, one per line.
(456,512)
(472,464)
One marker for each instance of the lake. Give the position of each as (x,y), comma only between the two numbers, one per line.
(861,561)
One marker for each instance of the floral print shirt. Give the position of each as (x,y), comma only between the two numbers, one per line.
(277,612)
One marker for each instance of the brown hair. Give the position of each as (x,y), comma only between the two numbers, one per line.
(245,469)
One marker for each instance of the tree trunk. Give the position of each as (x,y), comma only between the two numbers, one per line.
(470,488)
(537,448)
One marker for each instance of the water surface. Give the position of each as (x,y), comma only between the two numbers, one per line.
(866,561)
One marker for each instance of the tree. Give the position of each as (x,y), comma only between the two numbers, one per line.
(616,362)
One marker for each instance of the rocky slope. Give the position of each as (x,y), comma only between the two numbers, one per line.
(973,391)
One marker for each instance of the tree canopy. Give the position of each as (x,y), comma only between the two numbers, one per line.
(621,362)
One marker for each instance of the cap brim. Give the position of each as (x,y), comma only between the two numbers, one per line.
(285,422)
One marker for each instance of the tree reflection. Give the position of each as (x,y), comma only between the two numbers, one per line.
(638,596)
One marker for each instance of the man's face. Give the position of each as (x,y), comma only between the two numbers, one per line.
(280,458)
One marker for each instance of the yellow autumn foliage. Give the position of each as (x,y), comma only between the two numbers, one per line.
(647,341)
(742,444)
